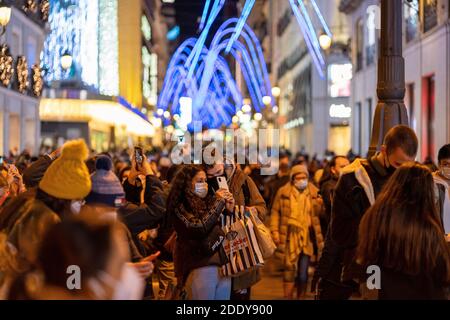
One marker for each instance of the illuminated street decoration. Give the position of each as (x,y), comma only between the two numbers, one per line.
(22,74)
(73,25)
(6,66)
(146,28)
(213,90)
(339,77)
(108,55)
(38,83)
(340,111)
(44,7)
(30,6)
(245,13)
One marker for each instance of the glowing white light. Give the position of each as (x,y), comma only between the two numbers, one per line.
(160,112)
(176,117)
(235,119)
(325,41)
(340,76)
(109,113)
(66,61)
(5,16)
(108,56)
(186,111)
(246,108)
(239,113)
(257,116)
(267,100)
(276,91)
(275,109)
(166,114)
(146,28)
(340,111)
(144,110)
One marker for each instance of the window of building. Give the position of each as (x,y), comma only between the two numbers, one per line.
(409,102)
(369,110)
(359,44)
(428,105)
(412,19)
(16,43)
(371,36)
(31,51)
(357,120)
(429,14)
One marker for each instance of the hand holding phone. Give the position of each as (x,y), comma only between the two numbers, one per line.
(138,157)
(222,183)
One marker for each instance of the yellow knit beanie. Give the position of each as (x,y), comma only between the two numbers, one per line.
(68,176)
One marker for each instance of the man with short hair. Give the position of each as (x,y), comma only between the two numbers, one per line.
(357,188)
(327,186)
(442,180)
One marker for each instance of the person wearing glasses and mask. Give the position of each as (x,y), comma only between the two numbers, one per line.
(442,181)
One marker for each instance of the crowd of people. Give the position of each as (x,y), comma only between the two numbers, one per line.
(131,225)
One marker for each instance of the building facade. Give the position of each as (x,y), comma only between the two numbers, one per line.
(21,84)
(313,109)
(108,93)
(426,49)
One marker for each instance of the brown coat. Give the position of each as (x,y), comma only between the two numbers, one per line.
(239,178)
(281,211)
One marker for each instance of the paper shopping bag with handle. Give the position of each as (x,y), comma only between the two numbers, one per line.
(240,244)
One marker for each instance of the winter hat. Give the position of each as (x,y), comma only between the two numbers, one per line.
(68,176)
(106,187)
(300,168)
(103,163)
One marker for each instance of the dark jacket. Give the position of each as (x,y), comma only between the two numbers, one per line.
(34,173)
(148,215)
(193,233)
(271,188)
(355,192)
(327,193)
(398,286)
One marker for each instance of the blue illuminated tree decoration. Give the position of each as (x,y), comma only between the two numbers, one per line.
(202,73)
(214,92)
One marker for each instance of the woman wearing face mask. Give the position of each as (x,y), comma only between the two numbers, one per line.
(96,250)
(198,251)
(295,227)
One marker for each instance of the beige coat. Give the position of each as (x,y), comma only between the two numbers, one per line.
(281,211)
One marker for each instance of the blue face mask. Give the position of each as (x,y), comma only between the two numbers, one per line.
(201,189)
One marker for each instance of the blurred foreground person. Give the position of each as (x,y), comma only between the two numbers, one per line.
(199,253)
(402,234)
(337,275)
(82,259)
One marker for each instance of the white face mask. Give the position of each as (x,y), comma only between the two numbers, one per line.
(201,189)
(301,185)
(75,206)
(445,172)
(130,286)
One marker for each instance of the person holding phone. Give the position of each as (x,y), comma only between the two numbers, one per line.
(245,193)
(199,253)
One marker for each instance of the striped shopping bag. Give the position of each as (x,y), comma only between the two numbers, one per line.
(240,244)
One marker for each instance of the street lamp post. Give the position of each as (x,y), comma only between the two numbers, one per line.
(391,110)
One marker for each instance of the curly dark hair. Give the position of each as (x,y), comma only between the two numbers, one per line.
(180,184)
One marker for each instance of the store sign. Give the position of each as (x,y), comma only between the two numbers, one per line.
(340,76)
(340,111)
